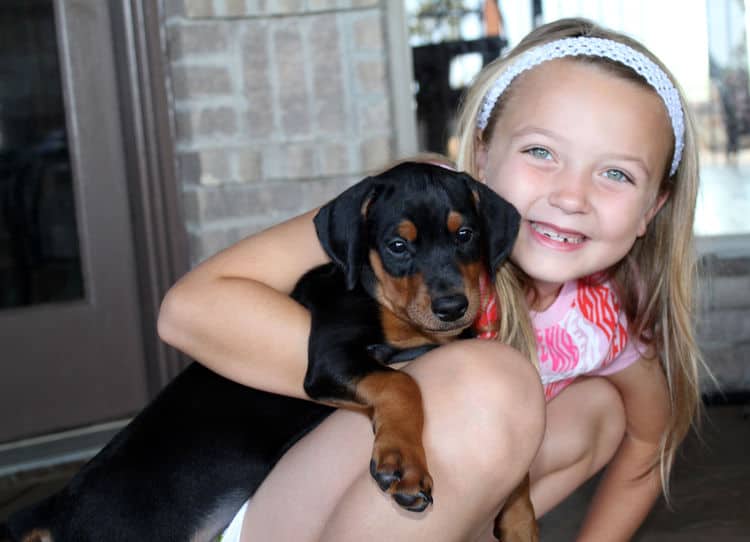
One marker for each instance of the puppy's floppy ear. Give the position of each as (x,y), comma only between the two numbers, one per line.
(340,225)
(500,222)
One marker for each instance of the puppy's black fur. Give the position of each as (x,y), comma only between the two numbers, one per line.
(407,247)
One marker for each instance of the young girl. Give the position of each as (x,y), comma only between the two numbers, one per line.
(588,137)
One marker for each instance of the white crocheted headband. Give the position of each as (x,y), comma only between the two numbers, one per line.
(588,46)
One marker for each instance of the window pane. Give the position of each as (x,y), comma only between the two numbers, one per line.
(39,252)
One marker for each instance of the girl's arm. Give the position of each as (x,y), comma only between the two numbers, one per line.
(232,313)
(625,496)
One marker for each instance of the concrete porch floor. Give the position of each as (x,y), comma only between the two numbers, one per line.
(711,489)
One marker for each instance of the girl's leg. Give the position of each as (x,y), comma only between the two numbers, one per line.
(484,415)
(585,425)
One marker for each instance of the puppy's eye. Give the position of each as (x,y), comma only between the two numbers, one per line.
(397,246)
(464,235)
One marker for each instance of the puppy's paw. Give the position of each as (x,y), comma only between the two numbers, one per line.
(403,475)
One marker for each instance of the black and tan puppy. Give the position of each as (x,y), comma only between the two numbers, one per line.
(408,247)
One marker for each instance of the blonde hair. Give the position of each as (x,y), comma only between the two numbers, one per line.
(655,282)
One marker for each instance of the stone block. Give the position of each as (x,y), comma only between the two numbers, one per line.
(371,76)
(292,90)
(199,8)
(285,7)
(200,81)
(249,165)
(368,33)
(259,118)
(205,204)
(204,244)
(207,167)
(376,153)
(375,115)
(329,100)
(198,38)
(324,5)
(235,8)
(206,123)
(256,77)
(289,161)
(334,159)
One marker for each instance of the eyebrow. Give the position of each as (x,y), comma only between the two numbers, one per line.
(530,130)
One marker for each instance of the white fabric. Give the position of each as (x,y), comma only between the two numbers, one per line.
(588,46)
(234,530)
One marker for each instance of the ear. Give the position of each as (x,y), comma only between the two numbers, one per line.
(652,212)
(480,156)
(500,223)
(340,225)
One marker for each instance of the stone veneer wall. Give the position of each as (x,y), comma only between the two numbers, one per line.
(278,106)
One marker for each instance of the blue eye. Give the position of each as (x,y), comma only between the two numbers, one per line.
(617,175)
(539,152)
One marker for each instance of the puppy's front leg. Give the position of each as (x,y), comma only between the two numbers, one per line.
(398,462)
(394,403)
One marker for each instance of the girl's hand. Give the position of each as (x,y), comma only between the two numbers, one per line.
(225,313)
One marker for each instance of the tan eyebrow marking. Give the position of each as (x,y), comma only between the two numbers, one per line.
(455,220)
(407,230)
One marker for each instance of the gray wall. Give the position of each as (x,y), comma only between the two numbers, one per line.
(724,318)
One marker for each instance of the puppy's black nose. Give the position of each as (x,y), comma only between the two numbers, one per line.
(450,307)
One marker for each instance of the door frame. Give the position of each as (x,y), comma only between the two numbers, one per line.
(161,245)
(159,234)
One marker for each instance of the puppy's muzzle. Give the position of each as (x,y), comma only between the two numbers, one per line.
(450,308)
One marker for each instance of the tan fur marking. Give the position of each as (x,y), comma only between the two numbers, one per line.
(398,298)
(365,208)
(398,421)
(38,535)
(393,293)
(455,221)
(402,334)
(516,522)
(407,230)
(406,306)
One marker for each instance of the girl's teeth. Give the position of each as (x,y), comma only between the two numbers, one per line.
(556,236)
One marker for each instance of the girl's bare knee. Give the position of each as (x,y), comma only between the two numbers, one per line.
(485,413)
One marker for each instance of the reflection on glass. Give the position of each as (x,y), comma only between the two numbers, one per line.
(451,40)
(39,252)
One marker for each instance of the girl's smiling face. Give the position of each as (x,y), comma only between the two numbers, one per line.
(580,152)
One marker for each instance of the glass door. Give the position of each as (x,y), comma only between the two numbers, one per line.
(69,319)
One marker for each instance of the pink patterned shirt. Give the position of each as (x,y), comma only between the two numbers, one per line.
(583,332)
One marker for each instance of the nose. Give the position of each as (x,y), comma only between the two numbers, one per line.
(450,308)
(570,192)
